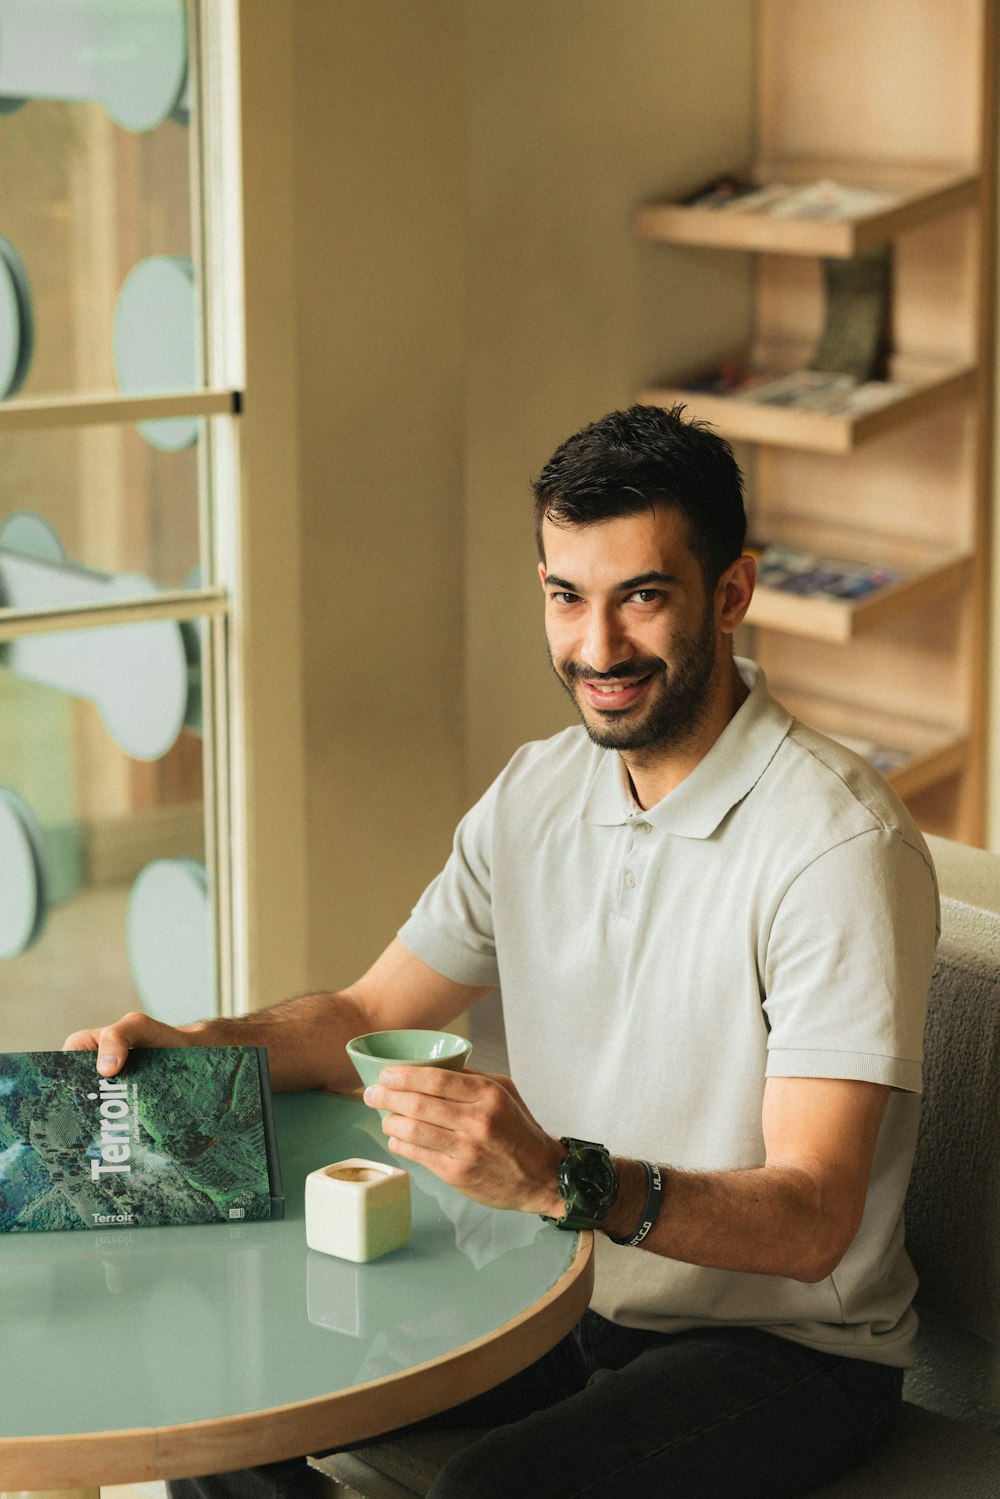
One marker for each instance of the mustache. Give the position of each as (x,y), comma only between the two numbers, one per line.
(575,671)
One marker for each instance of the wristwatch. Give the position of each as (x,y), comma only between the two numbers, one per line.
(588,1181)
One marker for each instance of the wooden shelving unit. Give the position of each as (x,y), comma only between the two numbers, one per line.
(928,385)
(917,197)
(928,753)
(903,480)
(923,575)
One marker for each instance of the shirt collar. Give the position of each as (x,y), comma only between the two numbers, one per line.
(731,769)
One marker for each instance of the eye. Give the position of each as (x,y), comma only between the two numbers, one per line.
(646,596)
(560,596)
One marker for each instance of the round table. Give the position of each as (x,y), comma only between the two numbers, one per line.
(137,1354)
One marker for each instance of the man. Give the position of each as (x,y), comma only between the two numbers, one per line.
(713,932)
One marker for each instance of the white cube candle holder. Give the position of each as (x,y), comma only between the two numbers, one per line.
(357,1209)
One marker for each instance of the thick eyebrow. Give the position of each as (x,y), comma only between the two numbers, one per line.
(627,585)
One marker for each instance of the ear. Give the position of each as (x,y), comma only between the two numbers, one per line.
(734,592)
(542,573)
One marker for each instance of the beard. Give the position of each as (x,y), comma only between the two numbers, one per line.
(675,702)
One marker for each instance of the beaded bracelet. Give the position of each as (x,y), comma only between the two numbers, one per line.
(654,1199)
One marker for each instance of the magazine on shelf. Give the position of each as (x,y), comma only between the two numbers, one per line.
(824,391)
(810,575)
(821,391)
(823,199)
(182,1135)
(856,337)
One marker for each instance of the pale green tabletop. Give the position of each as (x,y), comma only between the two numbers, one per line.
(141,1353)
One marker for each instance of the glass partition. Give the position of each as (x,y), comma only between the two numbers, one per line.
(112,502)
(115,879)
(96,165)
(105,900)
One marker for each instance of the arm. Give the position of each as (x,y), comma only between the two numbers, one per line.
(794,1216)
(305,1036)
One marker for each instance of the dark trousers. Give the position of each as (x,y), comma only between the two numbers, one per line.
(706,1414)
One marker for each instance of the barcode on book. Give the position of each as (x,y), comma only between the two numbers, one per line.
(237,1212)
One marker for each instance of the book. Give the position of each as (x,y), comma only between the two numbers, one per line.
(182,1135)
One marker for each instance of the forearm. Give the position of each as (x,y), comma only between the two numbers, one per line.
(793,1216)
(305,1036)
(476,1133)
(770,1220)
(305,1039)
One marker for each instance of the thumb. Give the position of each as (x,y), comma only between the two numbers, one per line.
(112,1050)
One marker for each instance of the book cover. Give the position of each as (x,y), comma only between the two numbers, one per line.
(182,1135)
(856,332)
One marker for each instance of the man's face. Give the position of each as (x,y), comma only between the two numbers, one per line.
(632,635)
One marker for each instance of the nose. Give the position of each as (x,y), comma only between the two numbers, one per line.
(604,644)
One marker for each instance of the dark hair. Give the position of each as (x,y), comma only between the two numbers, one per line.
(648,455)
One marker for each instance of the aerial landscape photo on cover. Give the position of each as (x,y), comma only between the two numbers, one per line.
(178,1137)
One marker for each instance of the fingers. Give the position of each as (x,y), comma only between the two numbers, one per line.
(81,1041)
(436,1096)
(433,1112)
(504,1083)
(439,1082)
(114,1042)
(440,1122)
(451,1138)
(447,1168)
(471,1131)
(404,1130)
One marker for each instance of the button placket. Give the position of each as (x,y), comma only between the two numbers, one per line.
(637,855)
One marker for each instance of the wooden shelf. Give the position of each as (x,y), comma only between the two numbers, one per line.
(918,196)
(929,386)
(933,752)
(926,574)
(852,152)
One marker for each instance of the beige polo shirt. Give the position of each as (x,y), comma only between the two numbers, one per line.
(774,915)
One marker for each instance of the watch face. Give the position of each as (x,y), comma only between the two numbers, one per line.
(594,1174)
(588,1181)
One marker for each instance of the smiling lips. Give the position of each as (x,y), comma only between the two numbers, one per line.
(612,696)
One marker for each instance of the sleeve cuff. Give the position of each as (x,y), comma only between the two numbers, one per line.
(452,959)
(857,1066)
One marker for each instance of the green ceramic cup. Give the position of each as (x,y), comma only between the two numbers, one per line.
(413,1048)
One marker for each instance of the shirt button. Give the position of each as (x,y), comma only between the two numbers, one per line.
(630,880)
(643,827)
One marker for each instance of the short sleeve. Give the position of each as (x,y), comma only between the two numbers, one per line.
(451,926)
(848,964)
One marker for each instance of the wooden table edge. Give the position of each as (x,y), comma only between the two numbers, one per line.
(309,1426)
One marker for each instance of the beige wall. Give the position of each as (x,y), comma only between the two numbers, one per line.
(380,258)
(993,644)
(267,642)
(577,110)
(468,291)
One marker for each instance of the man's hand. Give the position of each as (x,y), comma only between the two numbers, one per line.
(473,1131)
(114,1042)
